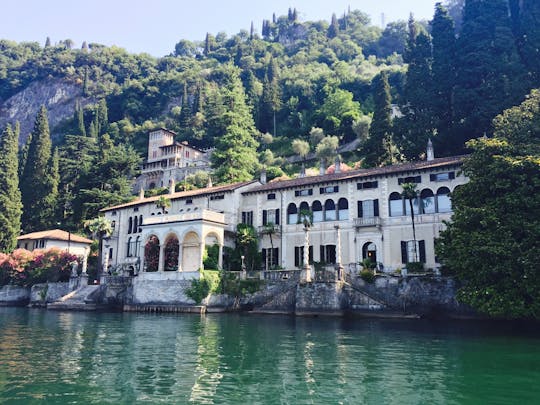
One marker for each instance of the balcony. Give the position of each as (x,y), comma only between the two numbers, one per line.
(367,222)
(199,215)
(265,229)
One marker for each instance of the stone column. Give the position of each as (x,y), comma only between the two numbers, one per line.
(161,263)
(201,254)
(306,268)
(339,264)
(180,256)
(220,257)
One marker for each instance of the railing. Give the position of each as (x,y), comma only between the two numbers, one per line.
(267,228)
(203,214)
(281,275)
(365,222)
(326,276)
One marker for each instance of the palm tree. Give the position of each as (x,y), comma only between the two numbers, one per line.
(163,203)
(411,193)
(270,230)
(101,228)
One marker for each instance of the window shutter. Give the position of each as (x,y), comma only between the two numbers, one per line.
(275,256)
(277,216)
(432,177)
(360,211)
(310,254)
(422,249)
(321,190)
(296,256)
(265,217)
(310,191)
(418,179)
(130,224)
(403,252)
(400,181)
(243,217)
(375,208)
(336,189)
(263,258)
(452,175)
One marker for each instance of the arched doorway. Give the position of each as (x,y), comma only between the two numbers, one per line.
(172,247)
(151,254)
(369,251)
(191,252)
(211,252)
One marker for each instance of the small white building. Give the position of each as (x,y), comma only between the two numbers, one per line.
(169,160)
(55,238)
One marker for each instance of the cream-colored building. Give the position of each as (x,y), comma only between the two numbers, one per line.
(356,214)
(168,160)
(55,238)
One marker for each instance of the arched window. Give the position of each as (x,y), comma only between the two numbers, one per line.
(428,201)
(443,200)
(396,205)
(151,254)
(129,252)
(343,209)
(130,224)
(135,224)
(329,210)
(171,254)
(317,211)
(292,214)
(140,223)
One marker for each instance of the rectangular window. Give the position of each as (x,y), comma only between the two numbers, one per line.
(442,176)
(271,196)
(110,253)
(411,179)
(299,255)
(328,254)
(368,209)
(217,197)
(408,252)
(136,209)
(329,190)
(247,217)
(270,258)
(367,185)
(189,201)
(270,217)
(306,192)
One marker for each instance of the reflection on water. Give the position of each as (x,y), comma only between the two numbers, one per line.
(64,357)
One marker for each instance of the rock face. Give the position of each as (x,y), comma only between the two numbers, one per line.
(59,96)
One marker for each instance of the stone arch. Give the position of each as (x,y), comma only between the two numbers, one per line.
(443,200)
(151,253)
(369,251)
(428,201)
(171,251)
(191,251)
(317,210)
(212,250)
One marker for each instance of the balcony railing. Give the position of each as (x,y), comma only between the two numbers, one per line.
(365,222)
(265,229)
(204,214)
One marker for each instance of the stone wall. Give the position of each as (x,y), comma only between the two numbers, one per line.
(42,294)
(14,295)
(155,291)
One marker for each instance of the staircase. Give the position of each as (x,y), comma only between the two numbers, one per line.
(86,298)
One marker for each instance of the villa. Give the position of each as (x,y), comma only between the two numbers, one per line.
(355,215)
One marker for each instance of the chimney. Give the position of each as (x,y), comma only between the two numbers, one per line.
(141,193)
(172,184)
(430,154)
(337,165)
(303,170)
(322,168)
(263,176)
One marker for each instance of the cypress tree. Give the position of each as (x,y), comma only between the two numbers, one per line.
(79,116)
(23,156)
(417,122)
(489,74)
(333,29)
(10,196)
(529,38)
(185,112)
(270,101)
(443,72)
(102,117)
(85,82)
(376,148)
(36,184)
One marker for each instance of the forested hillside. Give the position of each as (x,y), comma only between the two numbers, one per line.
(288,87)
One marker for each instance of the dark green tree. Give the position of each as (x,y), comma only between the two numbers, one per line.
(489,74)
(375,149)
(528,32)
(10,196)
(493,241)
(270,102)
(235,157)
(333,29)
(185,112)
(37,185)
(443,73)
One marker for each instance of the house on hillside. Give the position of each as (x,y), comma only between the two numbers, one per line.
(168,160)
(55,238)
(356,215)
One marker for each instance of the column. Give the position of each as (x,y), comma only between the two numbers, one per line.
(307,268)
(339,265)
(220,257)
(161,263)
(201,254)
(180,255)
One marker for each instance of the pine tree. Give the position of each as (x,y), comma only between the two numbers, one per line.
(10,196)
(489,75)
(37,184)
(185,112)
(443,73)
(47,42)
(235,157)
(376,148)
(333,29)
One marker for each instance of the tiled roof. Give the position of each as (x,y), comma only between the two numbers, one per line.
(183,194)
(358,174)
(54,234)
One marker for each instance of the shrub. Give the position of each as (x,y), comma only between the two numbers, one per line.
(199,290)
(367,275)
(368,264)
(415,267)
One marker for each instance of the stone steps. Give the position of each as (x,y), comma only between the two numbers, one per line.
(78,300)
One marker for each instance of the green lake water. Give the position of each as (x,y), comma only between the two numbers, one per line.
(124,358)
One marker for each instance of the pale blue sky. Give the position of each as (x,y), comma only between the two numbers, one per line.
(155,26)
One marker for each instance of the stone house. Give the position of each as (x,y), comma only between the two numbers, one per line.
(55,238)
